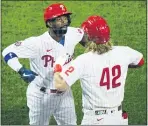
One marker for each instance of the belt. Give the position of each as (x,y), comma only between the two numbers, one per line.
(108,111)
(43,89)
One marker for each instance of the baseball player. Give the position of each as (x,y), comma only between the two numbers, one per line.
(102,70)
(43,99)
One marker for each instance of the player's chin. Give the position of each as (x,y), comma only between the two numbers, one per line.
(64,32)
(63,29)
(61,32)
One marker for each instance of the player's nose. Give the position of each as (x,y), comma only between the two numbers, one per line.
(64,20)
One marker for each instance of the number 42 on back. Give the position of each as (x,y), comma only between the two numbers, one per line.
(115,74)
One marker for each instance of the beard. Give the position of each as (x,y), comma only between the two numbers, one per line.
(60,31)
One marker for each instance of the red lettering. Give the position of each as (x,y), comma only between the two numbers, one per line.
(105,75)
(70,69)
(48,59)
(116,73)
(68,60)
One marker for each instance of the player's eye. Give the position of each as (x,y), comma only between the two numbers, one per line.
(64,18)
(58,19)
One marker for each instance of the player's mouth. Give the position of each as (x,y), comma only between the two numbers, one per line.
(61,31)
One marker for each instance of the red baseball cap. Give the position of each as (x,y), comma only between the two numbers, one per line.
(55,10)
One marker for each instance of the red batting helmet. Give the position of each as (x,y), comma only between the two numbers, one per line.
(54,11)
(97,29)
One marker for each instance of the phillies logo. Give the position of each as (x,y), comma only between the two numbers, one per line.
(68,60)
(48,59)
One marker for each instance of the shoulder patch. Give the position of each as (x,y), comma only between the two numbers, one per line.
(18,43)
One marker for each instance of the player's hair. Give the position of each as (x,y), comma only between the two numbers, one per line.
(99,48)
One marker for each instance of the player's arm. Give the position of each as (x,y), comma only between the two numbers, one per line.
(62,60)
(136,59)
(65,76)
(141,63)
(18,50)
(60,83)
(79,35)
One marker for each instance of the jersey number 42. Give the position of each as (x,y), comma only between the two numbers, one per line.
(110,79)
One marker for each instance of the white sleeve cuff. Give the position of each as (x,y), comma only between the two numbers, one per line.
(14,64)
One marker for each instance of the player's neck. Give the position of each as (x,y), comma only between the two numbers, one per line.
(54,36)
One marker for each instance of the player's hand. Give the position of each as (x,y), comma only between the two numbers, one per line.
(27,75)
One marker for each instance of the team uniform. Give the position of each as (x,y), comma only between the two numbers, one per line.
(102,80)
(42,98)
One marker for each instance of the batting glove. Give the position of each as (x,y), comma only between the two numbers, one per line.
(27,75)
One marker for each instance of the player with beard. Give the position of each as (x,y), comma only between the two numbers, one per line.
(43,99)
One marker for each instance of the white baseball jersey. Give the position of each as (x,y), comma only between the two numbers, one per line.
(43,51)
(102,76)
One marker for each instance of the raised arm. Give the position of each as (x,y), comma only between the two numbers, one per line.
(65,76)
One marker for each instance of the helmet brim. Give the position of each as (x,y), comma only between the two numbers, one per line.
(57,15)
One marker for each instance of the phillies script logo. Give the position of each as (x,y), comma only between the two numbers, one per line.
(68,60)
(48,59)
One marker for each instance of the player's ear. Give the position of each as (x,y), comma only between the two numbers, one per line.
(48,24)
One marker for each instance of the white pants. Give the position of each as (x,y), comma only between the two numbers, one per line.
(114,118)
(42,106)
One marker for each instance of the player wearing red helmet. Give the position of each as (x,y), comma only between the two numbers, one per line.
(57,18)
(97,29)
(102,71)
(43,99)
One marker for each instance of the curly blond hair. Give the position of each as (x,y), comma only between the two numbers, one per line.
(99,48)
